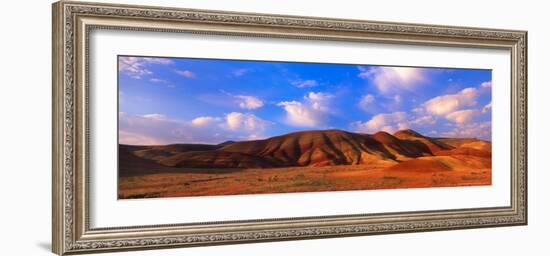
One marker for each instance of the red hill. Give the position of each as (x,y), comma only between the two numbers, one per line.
(307,148)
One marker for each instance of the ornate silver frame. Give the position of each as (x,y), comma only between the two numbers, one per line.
(72,22)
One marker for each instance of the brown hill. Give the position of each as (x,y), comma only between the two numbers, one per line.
(309,148)
(479,145)
(402,149)
(467,142)
(465,151)
(158,153)
(466,146)
(315,148)
(218,159)
(130,164)
(442,163)
(433,144)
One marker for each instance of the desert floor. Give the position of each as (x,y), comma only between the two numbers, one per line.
(207,182)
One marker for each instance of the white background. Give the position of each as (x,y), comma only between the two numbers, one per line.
(26,114)
(107,211)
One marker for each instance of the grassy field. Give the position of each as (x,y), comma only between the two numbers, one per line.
(205,182)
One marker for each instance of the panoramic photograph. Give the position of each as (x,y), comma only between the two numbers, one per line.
(211,127)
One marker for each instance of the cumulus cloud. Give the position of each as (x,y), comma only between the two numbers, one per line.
(150,129)
(204,121)
(300,114)
(162,61)
(369,98)
(445,104)
(487,107)
(423,120)
(185,73)
(311,112)
(391,122)
(249,102)
(304,83)
(240,121)
(388,122)
(319,100)
(155,129)
(462,116)
(366,102)
(459,108)
(487,84)
(137,67)
(393,79)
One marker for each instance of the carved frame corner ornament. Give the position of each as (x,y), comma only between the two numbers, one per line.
(72,22)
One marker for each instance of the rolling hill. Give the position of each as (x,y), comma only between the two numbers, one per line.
(404,149)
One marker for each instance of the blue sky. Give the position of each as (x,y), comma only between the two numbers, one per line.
(182,100)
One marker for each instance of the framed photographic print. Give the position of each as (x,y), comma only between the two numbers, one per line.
(178,127)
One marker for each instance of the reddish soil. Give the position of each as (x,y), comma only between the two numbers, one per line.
(330,160)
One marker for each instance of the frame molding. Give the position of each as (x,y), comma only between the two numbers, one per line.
(72,23)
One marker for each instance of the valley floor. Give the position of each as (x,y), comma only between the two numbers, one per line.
(208,182)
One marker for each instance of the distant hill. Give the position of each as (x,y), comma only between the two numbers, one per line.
(314,148)
(130,164)
(467,143)
(433,144)
(226,143)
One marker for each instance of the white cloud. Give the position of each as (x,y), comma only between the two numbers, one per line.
(304,83)
(249,102)
(480,130)
(313,111)
(162,61)
(130,138)
(397,99)
(155,129)
(161,81)
(319,100)
(388,122)
(423,120)
(487,84)
(234,121)
(136,67)
(487,107)
(157,80)
(445,104)
(366,102)
(299,114)
(367,99)
(418,110)
(204,121)
(240,72)
(239,121)
(391,122)
(185,73)
(462,116)
(150,129)
(154,116)
(393,79)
